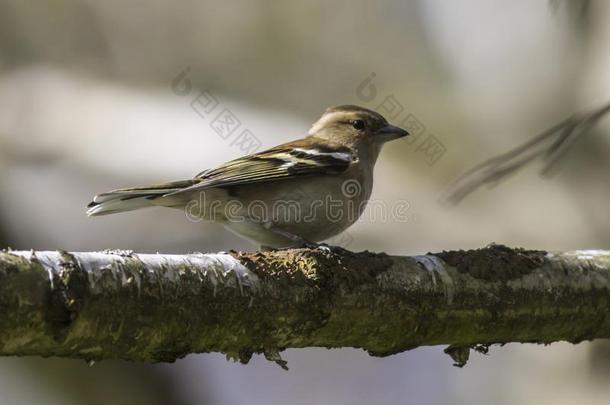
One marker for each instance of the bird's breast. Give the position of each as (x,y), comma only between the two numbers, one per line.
(315,208)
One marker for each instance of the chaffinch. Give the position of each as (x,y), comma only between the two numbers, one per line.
(294,194)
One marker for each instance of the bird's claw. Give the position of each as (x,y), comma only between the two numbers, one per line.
(324,247)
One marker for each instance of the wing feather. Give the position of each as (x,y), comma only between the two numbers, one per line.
(280,163)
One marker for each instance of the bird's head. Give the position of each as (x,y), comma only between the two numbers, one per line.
(350,124)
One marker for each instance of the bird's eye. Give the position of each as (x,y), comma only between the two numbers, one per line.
(358,124)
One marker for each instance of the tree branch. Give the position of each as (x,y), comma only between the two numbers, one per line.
(550,146)
(153,307)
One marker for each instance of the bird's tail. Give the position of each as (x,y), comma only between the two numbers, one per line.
(128,199)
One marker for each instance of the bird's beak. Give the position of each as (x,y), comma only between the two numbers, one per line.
(390,132)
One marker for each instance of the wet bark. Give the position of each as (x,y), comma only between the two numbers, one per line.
(118,304)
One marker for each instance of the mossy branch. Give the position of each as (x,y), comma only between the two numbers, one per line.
(154,307)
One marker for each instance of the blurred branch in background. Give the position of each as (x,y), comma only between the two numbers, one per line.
(550,145)
(153,307)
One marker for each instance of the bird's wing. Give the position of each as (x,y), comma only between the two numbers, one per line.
(283,162)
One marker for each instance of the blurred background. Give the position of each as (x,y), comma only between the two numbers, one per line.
(96,95)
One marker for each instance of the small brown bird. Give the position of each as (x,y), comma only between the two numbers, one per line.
(294,194)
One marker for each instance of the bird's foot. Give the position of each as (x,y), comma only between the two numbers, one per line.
(325,247)
(305,244)
(299,241)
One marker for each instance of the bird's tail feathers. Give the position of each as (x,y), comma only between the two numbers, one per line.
(129,199)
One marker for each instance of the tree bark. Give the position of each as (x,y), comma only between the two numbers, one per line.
(154,307)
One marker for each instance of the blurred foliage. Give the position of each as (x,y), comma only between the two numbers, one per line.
(108,382)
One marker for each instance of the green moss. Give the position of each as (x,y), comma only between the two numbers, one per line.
(302,298)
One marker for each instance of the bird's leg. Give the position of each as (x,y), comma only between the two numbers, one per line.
(298,240)
(302,242)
